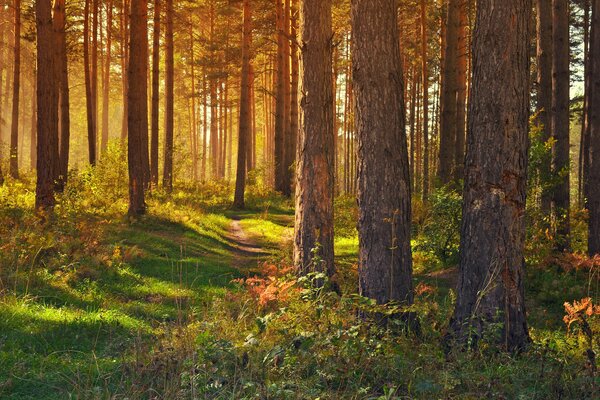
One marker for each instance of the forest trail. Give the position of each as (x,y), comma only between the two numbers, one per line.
(246,252)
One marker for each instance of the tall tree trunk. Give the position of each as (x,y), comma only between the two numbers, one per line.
(245,123)
(280,158)
(385,264)
(94,69)
(287,104)
(169,99)
(204,127)
(47,107)
(593,177)
(124,65)
(63,91)
(33,130)
(544,78)
(449,89)
(91,133)
(461,90)
(293,134)
(584,133)
(425,79)
(560,123)
(194,131)
(155,94)
(315,180)
(137,117)
(490,287)
(106,77)
(14,129)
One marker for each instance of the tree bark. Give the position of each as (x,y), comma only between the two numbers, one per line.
(544,78)
(314,170)
(14,129)
(593,184)
(280,101)
(169,93)
(425,79)
(63,91)
(91,132)
(560,123)
(47,108)
(106,77)
(245,123)
(124,65)
(490,287)
(137,117)
(155,94)
(449,90)
(385,264)
(461,90)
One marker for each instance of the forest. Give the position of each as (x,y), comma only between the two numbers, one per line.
(299,199)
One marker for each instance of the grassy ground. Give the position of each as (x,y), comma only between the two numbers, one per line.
(94,306)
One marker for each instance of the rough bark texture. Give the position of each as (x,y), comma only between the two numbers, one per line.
(169,98)
(155,95)
(560,122)
(544,81)
(385,265)
(47,107)
(14,128)
(245,122)
(490,287)
(593,177)
(315,180)
(137,97)
(63,90)
(448,100)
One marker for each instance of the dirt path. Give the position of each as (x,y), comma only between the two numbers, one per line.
(246,252)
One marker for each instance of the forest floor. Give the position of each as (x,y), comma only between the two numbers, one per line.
(196,300)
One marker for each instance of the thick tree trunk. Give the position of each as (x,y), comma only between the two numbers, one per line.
(14,129)
(245,123)
(47,107)
(106,77)
(560,123)
(490,288)
(544,78)
(169,98)
(315,180)
(63,91)
(593,177)
(155,95)
(449,91)
(137,117)
(385,264)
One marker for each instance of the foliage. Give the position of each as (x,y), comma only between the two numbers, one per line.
(438,225)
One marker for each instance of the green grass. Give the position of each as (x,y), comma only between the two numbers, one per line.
(96,297)
(94,305)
